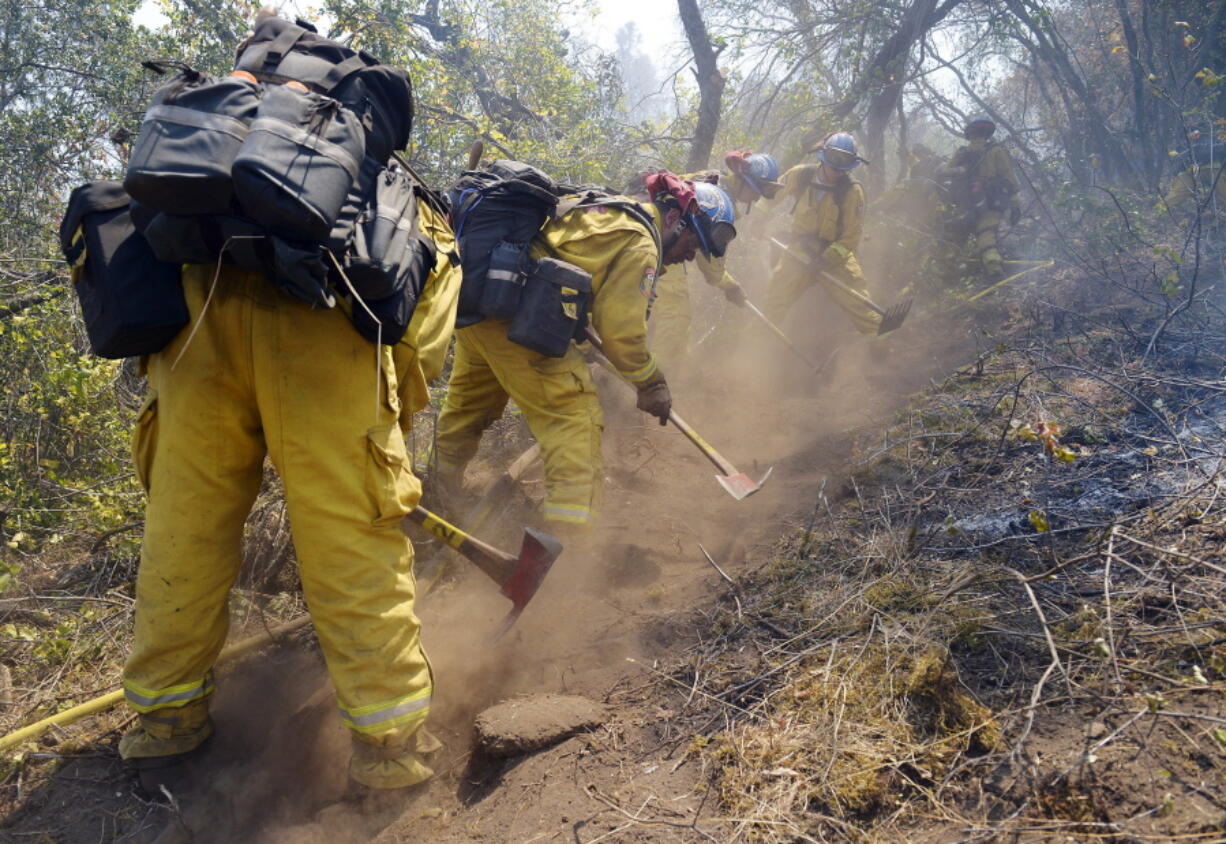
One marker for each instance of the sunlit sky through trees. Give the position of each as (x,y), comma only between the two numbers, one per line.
(656,19)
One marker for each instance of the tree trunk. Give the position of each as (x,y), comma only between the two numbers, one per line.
(882,80)
(710,84)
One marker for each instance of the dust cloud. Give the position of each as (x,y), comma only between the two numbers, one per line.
(625,592)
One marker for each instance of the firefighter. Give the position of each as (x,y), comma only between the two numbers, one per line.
(978,187)
(752,176)
(255,374)
(827,219)
(671,314)
(557,395)
(909,216)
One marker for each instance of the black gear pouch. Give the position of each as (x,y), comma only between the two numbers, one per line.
(553,309)
(132,303)
(386,250)
(504,280)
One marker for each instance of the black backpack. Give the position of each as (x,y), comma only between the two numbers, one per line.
(496,213)
(285,160)
(388,259)
(132,303)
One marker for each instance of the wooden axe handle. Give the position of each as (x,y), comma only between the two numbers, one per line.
(497,565)
(474,154)
(705,447)
(684,427)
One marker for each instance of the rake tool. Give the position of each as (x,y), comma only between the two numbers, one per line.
(736,483)
(518,577)
(891,318)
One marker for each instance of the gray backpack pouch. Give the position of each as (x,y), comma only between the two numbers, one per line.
(298,163)
(191,133)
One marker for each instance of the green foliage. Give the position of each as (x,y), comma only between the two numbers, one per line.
(63,439)
(71,81)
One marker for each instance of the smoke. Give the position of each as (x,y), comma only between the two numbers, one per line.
(277,769)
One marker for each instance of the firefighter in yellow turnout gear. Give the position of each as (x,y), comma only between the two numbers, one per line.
(751,177)
(557,395)
(980,187)
(256,374)
(671,316)
(827,220)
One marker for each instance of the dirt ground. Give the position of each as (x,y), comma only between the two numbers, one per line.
(611,623)
(602,623)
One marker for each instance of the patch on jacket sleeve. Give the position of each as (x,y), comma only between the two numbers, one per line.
(647,284)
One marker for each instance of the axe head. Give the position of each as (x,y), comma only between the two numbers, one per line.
(741,486)
(536,556)
(894,317)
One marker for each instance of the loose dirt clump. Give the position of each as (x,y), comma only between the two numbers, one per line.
(534,722)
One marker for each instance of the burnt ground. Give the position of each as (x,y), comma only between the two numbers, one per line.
(898,650)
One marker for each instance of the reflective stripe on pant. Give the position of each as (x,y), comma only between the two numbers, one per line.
(791,279)
(266,374)
(557,398)
(670,320)
(985,241)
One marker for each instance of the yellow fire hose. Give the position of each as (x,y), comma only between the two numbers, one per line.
(1038,265)
(106,701)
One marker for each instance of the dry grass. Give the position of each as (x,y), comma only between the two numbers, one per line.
(920,659)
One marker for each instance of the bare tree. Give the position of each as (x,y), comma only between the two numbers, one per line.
(710,84)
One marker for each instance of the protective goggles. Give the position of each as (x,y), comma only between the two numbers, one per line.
(839,159)
(713,238)
(764,187)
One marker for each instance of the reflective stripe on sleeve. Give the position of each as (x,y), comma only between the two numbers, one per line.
(381,716)
(641,374)
(147,700)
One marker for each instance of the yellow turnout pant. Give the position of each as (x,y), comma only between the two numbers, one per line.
(791,278)
(559,403)
(267,375)
(671,319)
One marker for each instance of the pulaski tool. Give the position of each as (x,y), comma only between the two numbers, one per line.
(518,577)
(737,483)
(890,319)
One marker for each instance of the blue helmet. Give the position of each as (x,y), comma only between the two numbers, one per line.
(714,219)
(981,122)
(761,170)
(763,166)
(839,152)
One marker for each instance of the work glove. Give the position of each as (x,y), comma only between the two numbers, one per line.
(654,398)
(734,293)
(1015,215)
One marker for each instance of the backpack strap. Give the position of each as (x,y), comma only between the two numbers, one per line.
(275,50)
(340,72)
(593,199)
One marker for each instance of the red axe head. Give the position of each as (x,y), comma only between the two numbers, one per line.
(536,556)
